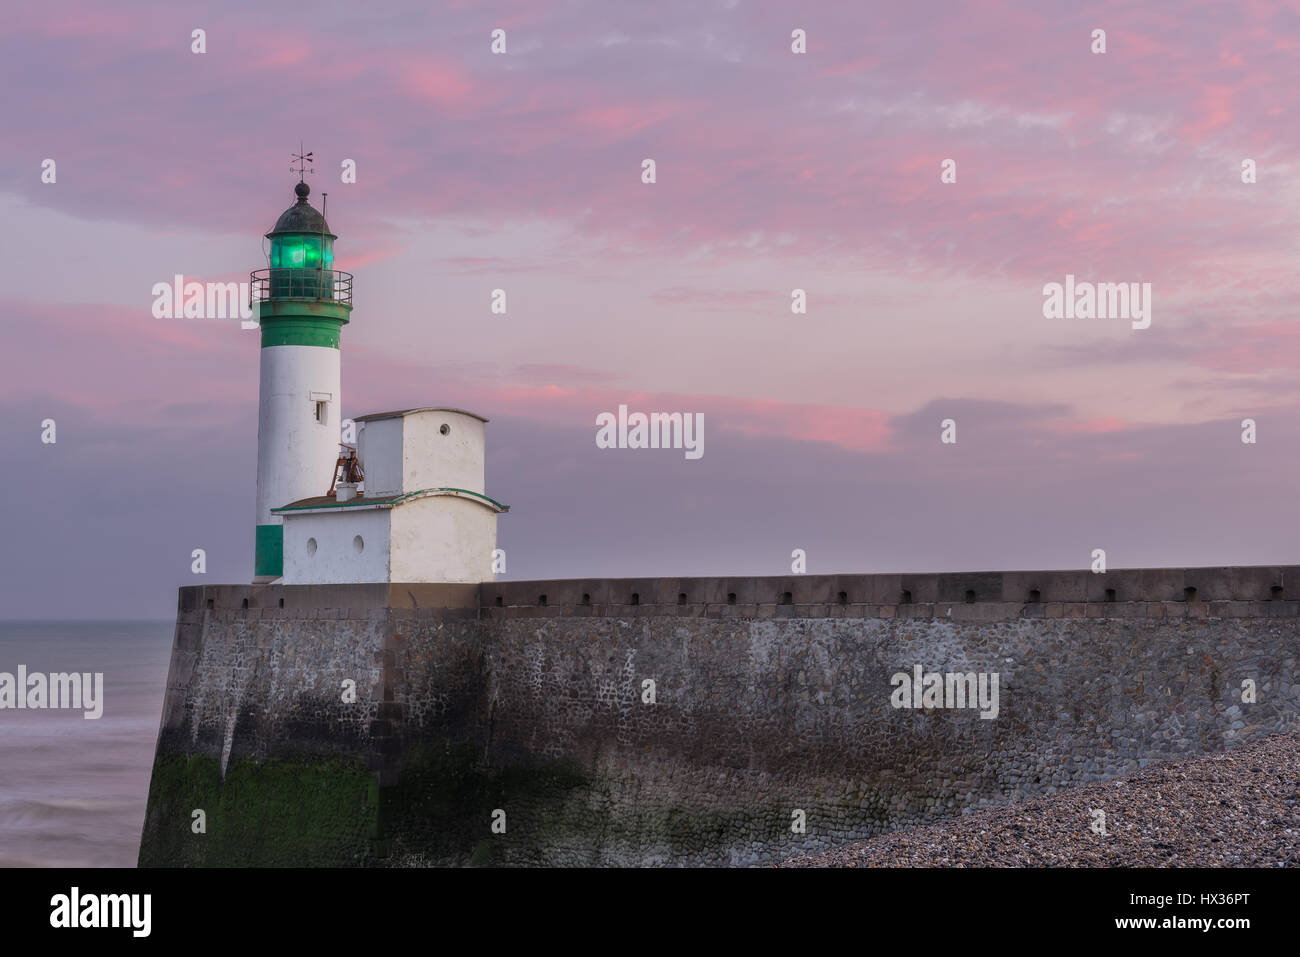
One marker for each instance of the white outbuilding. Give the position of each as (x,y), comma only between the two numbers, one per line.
(421,513)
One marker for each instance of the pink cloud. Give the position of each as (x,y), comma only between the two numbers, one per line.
(156,362)
(744,159)
(1251,348)
(440,82)
(565,397)
(1214,112)
(624,118)
(1095,426)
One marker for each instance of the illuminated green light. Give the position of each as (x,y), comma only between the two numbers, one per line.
(302,252)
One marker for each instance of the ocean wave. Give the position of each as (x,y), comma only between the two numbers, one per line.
(55,807)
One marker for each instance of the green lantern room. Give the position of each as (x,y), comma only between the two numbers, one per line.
(302,253)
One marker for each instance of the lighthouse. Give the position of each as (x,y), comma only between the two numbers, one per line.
(303,304)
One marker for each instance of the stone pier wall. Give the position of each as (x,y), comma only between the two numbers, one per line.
(684,721)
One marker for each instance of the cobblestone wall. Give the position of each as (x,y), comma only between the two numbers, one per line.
(772,704)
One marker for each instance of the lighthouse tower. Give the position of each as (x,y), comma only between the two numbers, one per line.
(303,304)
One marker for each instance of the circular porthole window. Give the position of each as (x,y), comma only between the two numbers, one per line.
(358,545)
(311,547)
(445,428)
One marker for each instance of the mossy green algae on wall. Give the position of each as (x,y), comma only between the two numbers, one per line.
(326,811)
(440,811)
(308,813)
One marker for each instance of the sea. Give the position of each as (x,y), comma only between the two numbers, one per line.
(72,790)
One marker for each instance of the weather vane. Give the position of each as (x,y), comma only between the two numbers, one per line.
(302,159)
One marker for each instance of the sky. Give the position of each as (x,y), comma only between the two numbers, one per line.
(774,171)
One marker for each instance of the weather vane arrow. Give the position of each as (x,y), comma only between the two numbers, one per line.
(302,159)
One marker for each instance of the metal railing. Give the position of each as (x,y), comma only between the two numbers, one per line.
(321,285)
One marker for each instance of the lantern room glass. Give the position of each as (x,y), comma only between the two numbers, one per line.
(310,251)
(302,266)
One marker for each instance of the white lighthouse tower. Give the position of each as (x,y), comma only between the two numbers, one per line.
(303,305)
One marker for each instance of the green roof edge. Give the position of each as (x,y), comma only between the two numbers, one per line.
(396,500)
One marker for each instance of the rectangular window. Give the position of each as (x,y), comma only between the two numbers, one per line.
(320,413)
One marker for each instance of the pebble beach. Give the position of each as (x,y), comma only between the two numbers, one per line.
(1240,808)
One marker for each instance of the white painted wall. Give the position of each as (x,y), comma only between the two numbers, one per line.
(442,538)
(379,447)
(336,559)
(295,454)
(409,453)
(434,460)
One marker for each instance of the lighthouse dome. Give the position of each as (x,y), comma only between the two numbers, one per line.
(301,217)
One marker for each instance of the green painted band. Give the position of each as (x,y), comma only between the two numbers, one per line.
(301,332)
(269,559)
(303,309)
